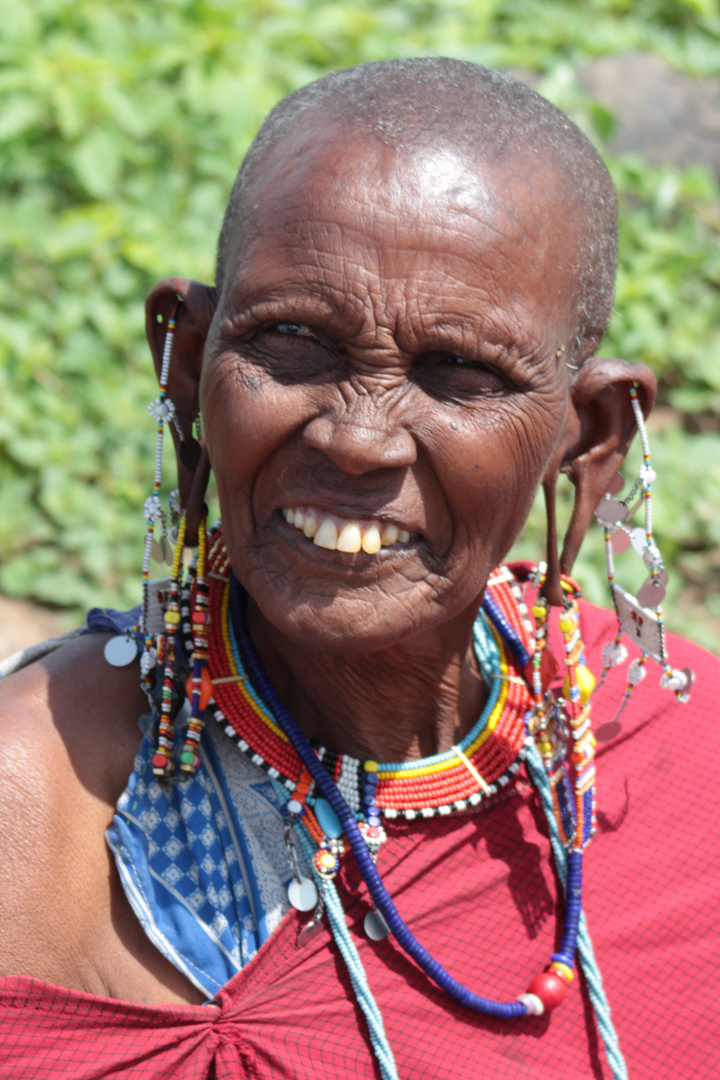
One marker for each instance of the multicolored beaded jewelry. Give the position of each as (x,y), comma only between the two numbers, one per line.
(640,618)
(328,791)
(546,990)
(475,770)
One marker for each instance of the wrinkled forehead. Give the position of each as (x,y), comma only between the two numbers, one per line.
(327,179)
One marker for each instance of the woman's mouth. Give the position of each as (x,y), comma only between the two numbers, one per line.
(351,535)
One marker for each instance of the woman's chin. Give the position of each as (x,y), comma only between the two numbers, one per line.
(343,623)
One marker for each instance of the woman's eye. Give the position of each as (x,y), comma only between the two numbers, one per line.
(294,329)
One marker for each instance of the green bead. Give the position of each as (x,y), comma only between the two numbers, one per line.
(187,757)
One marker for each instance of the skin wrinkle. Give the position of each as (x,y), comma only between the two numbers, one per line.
(361,412)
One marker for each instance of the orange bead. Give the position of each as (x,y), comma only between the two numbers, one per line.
(206,689)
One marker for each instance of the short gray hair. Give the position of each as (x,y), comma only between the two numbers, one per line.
(426,101)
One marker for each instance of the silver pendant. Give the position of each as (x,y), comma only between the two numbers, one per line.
(375,926)
(638,539)
(616,484)
(620,542)
(639,623)
(120,651)
(309,932)
(610,511)
(651,593)
(302,894)
(157,550)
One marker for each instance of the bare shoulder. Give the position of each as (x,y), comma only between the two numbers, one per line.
(69,720)
(68,736)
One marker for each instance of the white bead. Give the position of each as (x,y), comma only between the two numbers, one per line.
(636,673)
(532,1003)
(674,680)
(147,661)
(614,653)
(651,557)
(648,475)
(153,508)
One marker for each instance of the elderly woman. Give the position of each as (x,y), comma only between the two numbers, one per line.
(373,865)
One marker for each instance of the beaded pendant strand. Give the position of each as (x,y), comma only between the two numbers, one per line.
(640,618)
(163,760)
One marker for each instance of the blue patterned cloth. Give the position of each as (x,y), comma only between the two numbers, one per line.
(203,862)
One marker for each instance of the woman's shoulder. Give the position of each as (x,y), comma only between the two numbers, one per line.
(70,714)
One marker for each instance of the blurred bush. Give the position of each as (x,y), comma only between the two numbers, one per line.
(121,128)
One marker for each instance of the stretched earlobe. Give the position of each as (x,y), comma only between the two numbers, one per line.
(604,427)
(193,319)
(552,589)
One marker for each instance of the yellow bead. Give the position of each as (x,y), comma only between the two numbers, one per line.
(172,617)
(539,611)
(567,622)
(585,683)
(371,766)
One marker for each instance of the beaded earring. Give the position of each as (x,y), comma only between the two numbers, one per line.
(640,617)
(161,599)
(552,721)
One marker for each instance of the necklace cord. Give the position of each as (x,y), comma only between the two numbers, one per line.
(381,897)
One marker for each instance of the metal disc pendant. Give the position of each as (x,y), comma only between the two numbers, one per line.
(616,484)
(120,651)
(375,926)
(620,542)
(157,551)
(309,932)
(651,593)
(610,511)
(302,894)
(638,539)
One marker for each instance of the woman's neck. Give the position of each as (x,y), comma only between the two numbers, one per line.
(406,702)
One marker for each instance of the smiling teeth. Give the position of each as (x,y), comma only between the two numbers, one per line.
(350,537)
(327,535)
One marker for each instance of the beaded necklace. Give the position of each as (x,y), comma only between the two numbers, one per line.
(336,801)
(473,772)
(339,798)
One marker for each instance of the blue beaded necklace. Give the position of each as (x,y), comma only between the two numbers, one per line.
(381,898)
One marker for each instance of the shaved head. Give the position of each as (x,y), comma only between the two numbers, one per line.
(486,118)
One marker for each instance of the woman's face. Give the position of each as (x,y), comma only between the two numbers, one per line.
(384,357)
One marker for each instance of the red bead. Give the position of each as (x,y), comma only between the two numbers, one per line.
(159,761)
(550,988)
(548,669)
(206,688)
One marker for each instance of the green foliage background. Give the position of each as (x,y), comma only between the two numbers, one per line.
(121,128)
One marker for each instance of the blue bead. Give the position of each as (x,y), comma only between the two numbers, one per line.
(327,819)
(373,819)
(371,778)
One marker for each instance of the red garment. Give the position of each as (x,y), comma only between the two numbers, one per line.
(479,892)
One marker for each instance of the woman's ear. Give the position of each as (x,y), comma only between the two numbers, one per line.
(194,305)
(602,426)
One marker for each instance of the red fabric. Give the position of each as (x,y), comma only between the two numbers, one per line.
(479,893)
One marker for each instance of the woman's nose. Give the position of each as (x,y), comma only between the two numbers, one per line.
(362,436)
